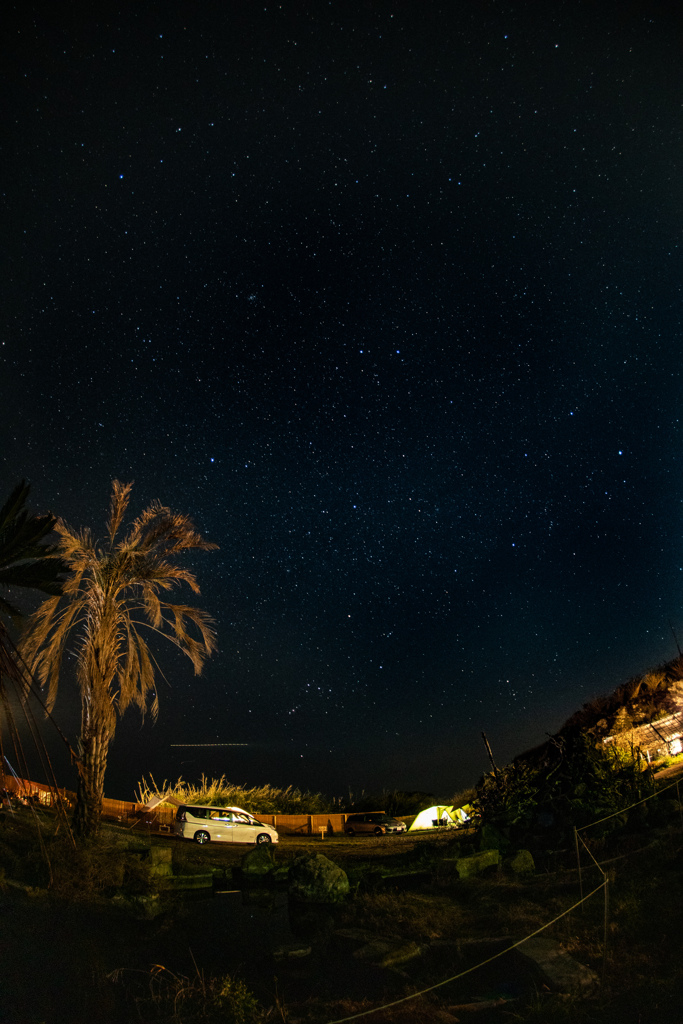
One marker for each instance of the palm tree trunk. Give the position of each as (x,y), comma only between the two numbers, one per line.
(91,769)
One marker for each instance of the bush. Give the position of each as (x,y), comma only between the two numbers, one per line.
(576,783)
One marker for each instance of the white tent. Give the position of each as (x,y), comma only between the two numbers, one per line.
(157,800)
(442,815)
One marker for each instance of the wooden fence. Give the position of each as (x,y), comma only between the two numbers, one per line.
(132,814)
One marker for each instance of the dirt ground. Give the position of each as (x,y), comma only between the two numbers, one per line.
(342,848)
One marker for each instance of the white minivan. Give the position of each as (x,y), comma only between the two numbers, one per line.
(222,825)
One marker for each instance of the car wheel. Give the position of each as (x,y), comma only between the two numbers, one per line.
(379,831)
(350,832)
(201,837)
(263,838)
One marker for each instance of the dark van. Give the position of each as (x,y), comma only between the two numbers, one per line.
(377,823)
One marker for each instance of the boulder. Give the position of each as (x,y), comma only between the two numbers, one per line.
(478,862)
(559,971)
(313,878)
(258,862)
(522,863)
(158,861)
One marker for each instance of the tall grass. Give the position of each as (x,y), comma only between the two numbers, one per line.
(265,799)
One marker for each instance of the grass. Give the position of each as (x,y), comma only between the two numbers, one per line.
(162,995)
(264,799)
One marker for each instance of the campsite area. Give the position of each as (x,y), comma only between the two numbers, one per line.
(112,942)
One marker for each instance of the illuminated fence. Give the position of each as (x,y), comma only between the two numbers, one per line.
(24,789)
(161,818)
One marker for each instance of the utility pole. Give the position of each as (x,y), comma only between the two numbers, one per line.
(675,638)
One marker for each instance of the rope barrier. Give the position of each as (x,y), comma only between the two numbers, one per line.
(604,887)
(590,854)
(440,984)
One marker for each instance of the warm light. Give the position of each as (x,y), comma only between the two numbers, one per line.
(675,746)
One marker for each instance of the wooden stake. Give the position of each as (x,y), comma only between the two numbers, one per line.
(604,948)
(578,864)
(490,753)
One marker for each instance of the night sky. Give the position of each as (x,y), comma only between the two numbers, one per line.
(387,297)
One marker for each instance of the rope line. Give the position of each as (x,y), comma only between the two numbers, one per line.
(590,854)
(602,887)
(439,984)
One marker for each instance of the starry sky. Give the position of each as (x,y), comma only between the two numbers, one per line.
(387,297)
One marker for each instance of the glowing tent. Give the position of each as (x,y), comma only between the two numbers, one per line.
(442,816)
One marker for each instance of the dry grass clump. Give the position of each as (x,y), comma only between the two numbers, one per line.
(264,799)
(161,995)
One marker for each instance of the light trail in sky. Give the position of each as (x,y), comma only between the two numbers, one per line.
(209,744)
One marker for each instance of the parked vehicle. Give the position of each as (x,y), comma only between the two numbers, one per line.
(375,822)
(221,825)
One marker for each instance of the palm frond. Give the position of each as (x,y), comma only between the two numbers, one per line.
(120,497)
(95,614)
(26,560)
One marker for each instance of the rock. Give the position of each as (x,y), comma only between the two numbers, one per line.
(291,951)
(560,972)
(258,862)
(313,878)
(179,882)
(280,873)
(158,861)
(401,954)
(478,862)
(522,863)
(353,936)
(141,907)
(444,1017)
(387,952)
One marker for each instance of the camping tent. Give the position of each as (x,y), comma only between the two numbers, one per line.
(442,815)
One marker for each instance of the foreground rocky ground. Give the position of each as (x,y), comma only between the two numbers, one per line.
(110,943)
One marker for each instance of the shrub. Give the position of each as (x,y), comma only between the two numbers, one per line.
(575,784)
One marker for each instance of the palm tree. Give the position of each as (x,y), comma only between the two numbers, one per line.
(114,588)
(26,561)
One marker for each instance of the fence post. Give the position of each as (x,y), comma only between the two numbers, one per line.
(604,941)
(578,863)
(680,809)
